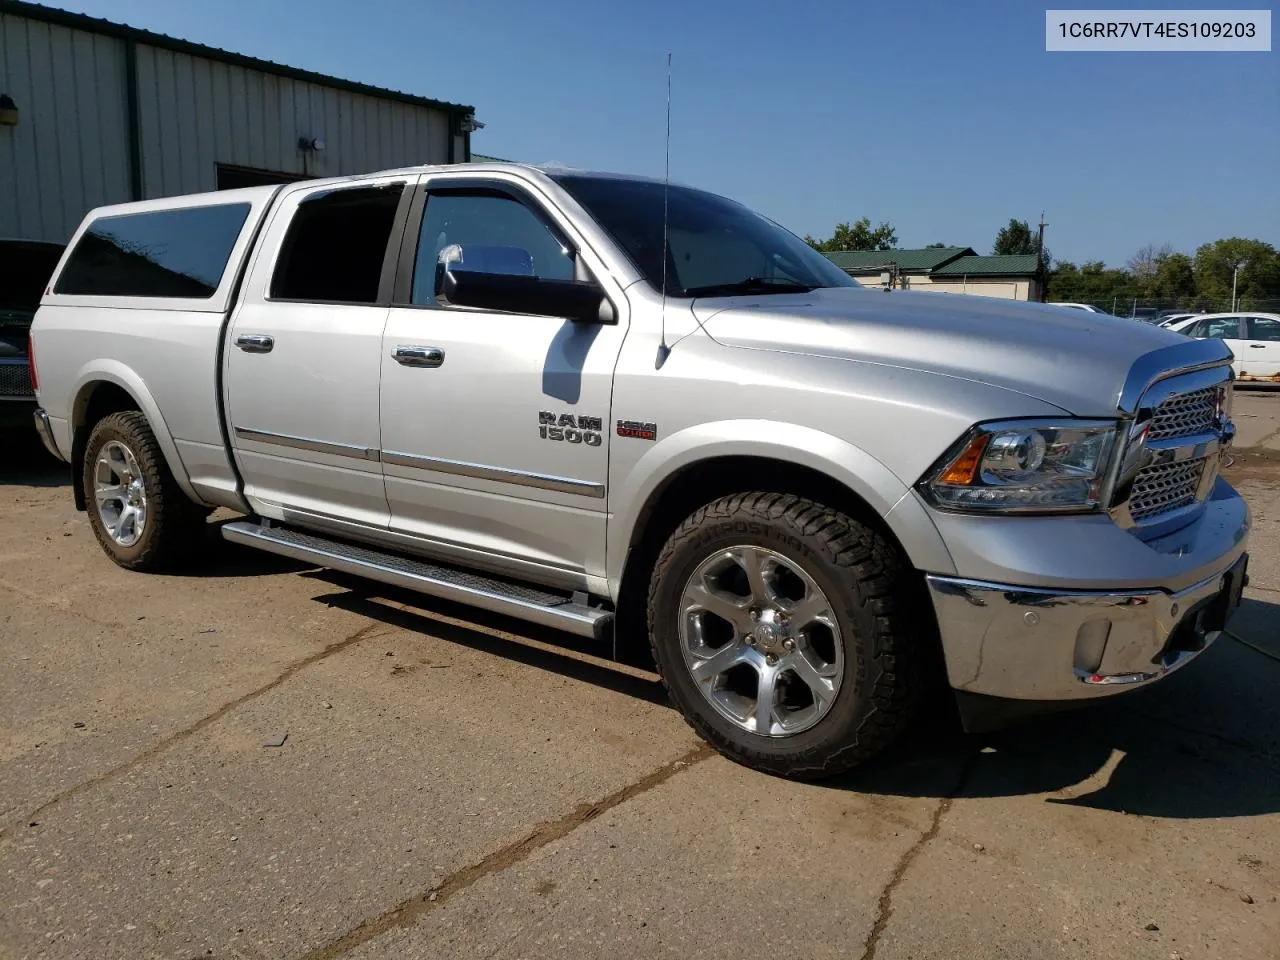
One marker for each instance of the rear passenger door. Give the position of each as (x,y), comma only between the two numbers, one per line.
(304,354)
(1259,354)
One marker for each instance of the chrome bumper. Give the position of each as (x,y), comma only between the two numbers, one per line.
(1027,644)
(45,429)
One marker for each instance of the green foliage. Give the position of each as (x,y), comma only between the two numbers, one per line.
(1019,239)
(1174,278)
(1016,238)
(860,236)
(1090,283)
(1258,279)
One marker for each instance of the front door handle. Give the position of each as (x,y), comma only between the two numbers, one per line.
(255,343)
(1257,346)
(410,356)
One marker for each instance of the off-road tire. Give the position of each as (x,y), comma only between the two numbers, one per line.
(175,526)
(874,595)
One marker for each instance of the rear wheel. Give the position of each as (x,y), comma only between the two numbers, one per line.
(138,512)
(784,632)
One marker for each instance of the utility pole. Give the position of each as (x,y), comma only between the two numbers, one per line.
(1040,264)
(1235,273)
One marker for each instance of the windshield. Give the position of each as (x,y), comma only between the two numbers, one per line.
(715,247)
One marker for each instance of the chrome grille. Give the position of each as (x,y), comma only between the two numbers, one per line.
(1184,415)
(1159,489)
(15,380)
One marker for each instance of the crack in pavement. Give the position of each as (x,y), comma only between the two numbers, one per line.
(884,907)
(407,912)
(364,633)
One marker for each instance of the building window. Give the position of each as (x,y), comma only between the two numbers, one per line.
(231,177)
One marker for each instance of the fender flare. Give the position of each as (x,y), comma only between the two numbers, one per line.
(848,465)
(115,372)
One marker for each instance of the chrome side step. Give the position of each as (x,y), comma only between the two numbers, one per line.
(497,596)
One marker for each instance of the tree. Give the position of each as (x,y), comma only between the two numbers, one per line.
(1259,279)
(1144,263)
(1016,238)
(860,236)
(1091,283)
(1173,277)
(938,246)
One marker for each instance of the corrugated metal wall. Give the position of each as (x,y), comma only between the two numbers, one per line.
(196,113)
(70,149)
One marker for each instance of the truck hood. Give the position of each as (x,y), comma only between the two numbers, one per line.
(1073,359)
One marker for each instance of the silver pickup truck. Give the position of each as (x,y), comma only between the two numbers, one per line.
(640,412)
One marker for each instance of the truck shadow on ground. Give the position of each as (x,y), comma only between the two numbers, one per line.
(26,463)
(1204,743)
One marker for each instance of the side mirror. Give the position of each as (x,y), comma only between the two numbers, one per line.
(581,302)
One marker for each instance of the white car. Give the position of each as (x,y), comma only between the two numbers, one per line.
(1254,338)
(1079,306)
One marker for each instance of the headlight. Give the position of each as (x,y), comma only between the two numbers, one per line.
(1025,466)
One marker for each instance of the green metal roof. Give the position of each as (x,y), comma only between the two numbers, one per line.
(79,21)
(484,158)
(928,259)
(1018,265)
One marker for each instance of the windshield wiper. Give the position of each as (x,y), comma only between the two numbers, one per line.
(749,285)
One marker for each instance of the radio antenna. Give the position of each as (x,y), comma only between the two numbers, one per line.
(664,350)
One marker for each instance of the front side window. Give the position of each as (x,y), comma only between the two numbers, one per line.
(158,253)
(335,246)
(715,247)
(1264,328)
(1218,328)
(485,231)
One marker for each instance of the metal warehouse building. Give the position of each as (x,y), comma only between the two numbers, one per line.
(94,112)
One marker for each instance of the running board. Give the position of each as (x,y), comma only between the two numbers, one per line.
(497,596)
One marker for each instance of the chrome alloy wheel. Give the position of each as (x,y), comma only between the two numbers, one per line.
(120,494)
(761,641)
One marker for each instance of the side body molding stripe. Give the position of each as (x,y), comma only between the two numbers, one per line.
(585,488)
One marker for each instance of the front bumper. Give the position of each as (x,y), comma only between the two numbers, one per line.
(1049,643)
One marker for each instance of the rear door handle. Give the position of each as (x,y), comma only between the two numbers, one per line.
(1257,346)
(411,356)
(255,343)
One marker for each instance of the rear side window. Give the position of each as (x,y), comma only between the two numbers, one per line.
(334,249)
(161,253)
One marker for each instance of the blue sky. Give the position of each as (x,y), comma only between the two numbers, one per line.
(944,118)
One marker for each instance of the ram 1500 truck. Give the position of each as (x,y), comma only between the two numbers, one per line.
(631,409)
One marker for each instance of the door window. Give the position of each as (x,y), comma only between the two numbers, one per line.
(1264,328)
(335,246)
(486,231)
(1218,328)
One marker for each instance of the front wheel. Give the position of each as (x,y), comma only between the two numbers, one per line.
(784,632)
(138,512)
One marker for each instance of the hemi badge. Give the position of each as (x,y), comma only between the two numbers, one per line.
(637,429)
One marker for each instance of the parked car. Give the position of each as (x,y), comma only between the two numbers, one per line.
(1252,338)
(641,413)
(1145,314)
(1080,306)
(1173,319)
(25,269)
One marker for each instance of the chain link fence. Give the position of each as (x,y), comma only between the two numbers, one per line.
(1149,307)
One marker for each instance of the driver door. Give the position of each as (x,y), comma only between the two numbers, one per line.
(495,423)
